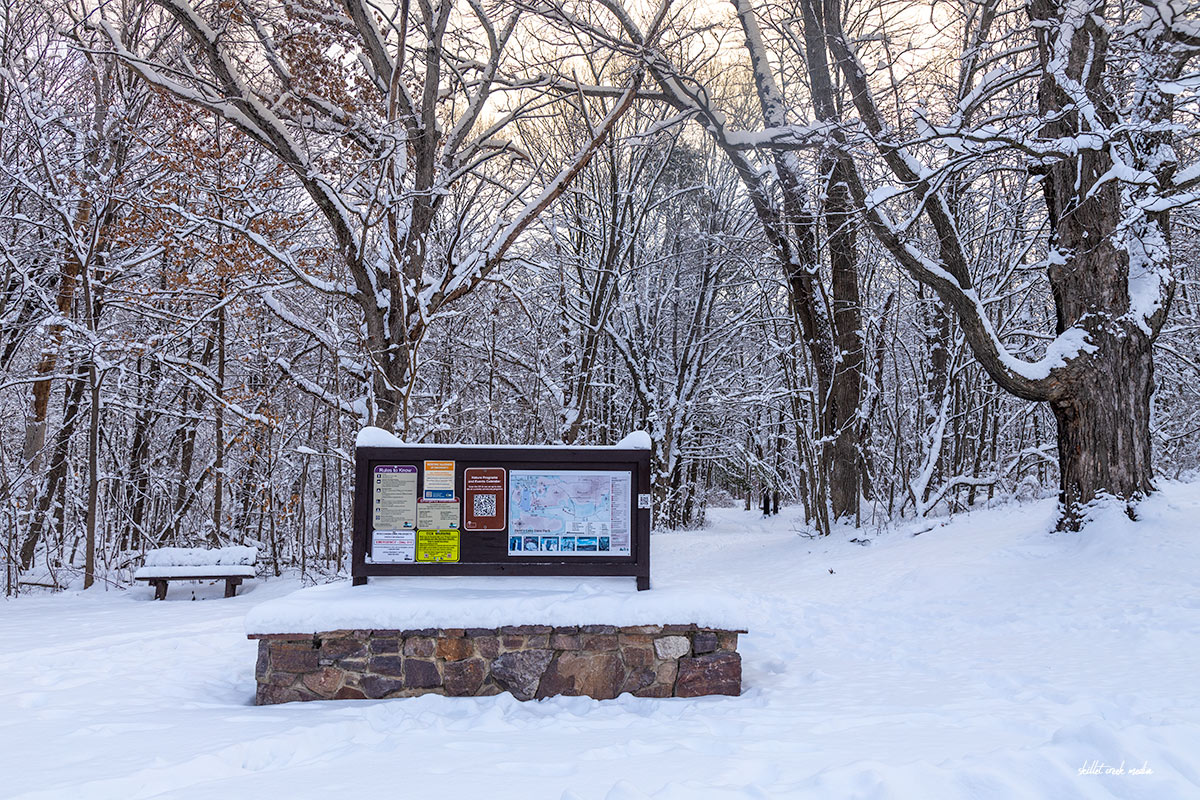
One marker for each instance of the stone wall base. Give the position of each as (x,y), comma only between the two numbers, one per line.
(530,661)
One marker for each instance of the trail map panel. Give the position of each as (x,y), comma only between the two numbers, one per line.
(569,512)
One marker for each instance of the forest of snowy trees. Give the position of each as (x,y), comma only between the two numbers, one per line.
(888,258)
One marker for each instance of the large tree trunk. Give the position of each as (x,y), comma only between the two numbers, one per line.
(1104,428)
(1102,400)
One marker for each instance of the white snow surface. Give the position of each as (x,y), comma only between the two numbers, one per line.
(209,571)
(200,556)
(378,437)
(371,436)
(489,602)
(638,440)
(984,658)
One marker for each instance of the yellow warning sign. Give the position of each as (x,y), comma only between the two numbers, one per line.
(437,547)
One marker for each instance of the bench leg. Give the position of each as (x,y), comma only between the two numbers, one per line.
(231,585)
(160,590)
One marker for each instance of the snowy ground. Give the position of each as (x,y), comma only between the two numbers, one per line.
(983,659)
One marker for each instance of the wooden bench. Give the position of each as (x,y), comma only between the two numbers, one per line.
(229,564)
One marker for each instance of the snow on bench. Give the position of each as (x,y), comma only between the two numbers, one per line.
(231,564)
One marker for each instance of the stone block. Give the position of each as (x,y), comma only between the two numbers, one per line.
(512,642)
(463,678)
(678,628)
(454,649)
(293,656)
(727,640)
(384,646)
(376,686)
(568,630)
(655,690)
(598,675)
(352,664)
(476,632)
(268,695)
(349,693)
(421,674)
(487,646)
(325,682)
(638,679)
(520,672)
(264,659)
(599,642)
(275,677)
(428,633)
(714,673)
(420,646)
(564,641)
(339,648)
(635,640)
(452,633)
(672,647)
(641,630)
(386,665)
(637,657)
(704,642)
(598,629)
(525,630)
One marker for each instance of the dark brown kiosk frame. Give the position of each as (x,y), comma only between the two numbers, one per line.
(486,552)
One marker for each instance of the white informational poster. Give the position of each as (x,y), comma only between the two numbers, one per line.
(435,516)
(394,497)
(569,512)
(393,547)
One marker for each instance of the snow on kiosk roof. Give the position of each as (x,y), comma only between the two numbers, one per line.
(436,509)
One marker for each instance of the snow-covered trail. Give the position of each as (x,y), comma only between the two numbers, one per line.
(981,659)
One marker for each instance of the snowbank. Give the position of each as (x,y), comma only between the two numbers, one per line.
(451,602)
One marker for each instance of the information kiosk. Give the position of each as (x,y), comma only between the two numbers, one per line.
(483,510)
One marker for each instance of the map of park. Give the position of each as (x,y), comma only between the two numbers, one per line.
(553,508)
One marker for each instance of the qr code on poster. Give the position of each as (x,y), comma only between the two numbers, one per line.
(485,505)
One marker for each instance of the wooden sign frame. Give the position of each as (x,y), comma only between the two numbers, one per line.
(487,552)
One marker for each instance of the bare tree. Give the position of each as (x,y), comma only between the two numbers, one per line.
(394,124)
